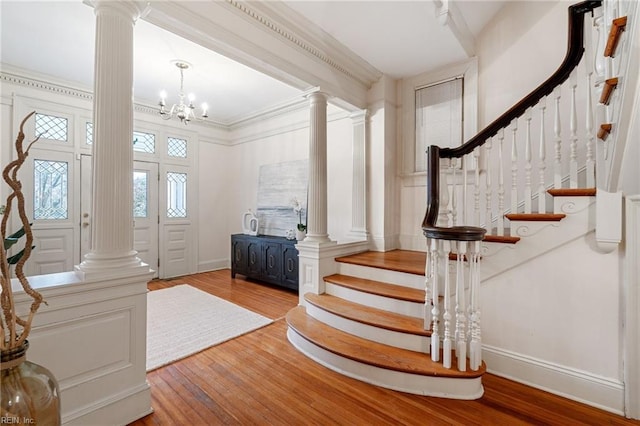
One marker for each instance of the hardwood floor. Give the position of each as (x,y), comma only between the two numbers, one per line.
(260,379)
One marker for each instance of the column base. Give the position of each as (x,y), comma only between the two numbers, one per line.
(98,266)
(318,239)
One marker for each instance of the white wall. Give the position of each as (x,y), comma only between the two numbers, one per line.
(229,175)
(556,326)
(519,49)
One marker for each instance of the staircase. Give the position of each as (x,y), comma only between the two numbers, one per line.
(381,339)
(389,320)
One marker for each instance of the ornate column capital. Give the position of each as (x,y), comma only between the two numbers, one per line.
(129,9)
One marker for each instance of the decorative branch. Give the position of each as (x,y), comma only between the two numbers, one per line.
(10,321)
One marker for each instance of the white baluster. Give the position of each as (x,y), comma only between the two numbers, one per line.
(514,168)
(527,167)
(428,279)
(488,188)
(465,187)
(435,311)
(573,128)
(542,163)
(599,67)
(475,347)
(454,190)
(461,310)
(444,215)
(557,170)
(476,187)
(501,191)
(590,164)
(446,317)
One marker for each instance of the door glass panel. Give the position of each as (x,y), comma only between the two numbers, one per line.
(176,194)
(50,189)
(140,193)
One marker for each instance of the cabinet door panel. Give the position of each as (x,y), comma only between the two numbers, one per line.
(239,261)
(290,267)
(253,259)
(272,261)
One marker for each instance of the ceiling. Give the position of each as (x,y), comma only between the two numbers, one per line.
(399,38)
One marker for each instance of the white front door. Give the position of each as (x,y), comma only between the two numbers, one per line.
(145,210)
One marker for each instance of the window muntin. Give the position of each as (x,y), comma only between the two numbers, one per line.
(176,195)
(176,147)
(50,189)
(89,133)
(144,142)
(52,127)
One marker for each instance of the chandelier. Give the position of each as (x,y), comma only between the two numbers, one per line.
(184,111)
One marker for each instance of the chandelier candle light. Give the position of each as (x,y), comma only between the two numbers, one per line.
(185,112)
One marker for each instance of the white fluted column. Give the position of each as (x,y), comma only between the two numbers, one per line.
(359,196)
(112,225)
(317,196)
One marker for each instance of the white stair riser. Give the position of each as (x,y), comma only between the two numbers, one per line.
(380,302)
(398,339)
(442,387)
(383,275)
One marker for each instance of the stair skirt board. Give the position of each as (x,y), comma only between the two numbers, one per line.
(398,339)
(403,279)
(381,302)
(442,387)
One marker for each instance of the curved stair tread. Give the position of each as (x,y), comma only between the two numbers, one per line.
(505,239)
(368,315)
(368,352)
(536,217)
(409,261)
(572,192)
(378,288)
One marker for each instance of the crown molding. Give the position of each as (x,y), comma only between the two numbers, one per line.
(306,35)
(21,77)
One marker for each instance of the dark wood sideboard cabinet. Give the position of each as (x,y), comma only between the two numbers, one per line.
(265,258)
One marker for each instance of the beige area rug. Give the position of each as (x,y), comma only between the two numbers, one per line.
(183,320)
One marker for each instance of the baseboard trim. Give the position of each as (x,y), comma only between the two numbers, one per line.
(122,408)
(601,392)
(214,265)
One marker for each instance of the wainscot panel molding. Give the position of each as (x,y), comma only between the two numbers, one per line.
(602,392)
(92,336)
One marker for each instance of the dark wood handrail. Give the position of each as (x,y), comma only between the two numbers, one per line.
(575,51)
